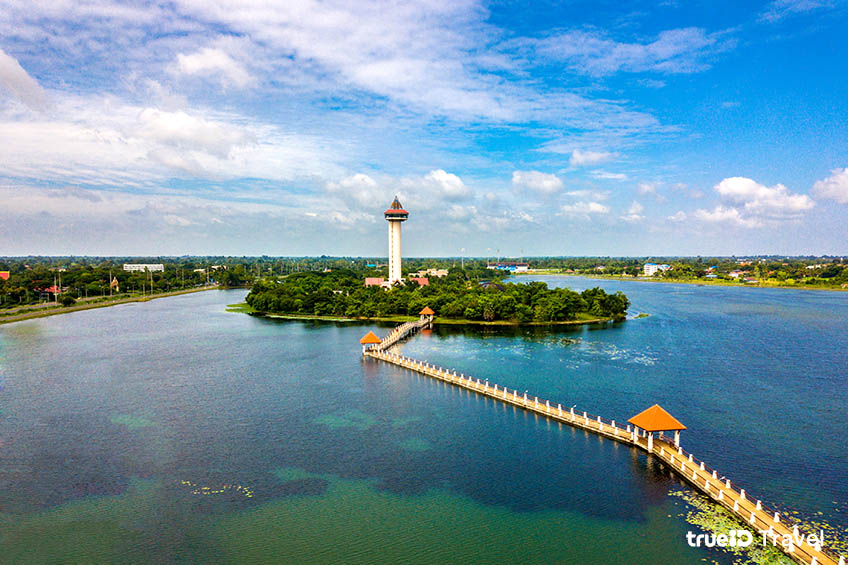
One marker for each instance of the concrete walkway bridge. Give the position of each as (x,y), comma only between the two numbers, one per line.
(765,523)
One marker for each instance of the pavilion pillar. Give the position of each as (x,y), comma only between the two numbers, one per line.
(676,438)
(650,441)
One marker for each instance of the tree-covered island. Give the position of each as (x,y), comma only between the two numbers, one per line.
(341,293)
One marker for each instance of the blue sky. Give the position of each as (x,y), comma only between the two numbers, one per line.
(534,128)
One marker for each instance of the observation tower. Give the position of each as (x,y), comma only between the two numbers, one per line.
(395,215)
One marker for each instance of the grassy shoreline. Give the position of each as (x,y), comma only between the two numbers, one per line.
(55,310)
(245,309)
(683,281)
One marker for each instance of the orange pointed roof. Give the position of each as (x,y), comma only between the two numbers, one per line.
(370,338)
(656,419)
(427,311)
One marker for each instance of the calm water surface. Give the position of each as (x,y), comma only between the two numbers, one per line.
(174,431)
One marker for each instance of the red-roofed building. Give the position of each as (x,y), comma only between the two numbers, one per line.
(374,281)
(422,281)
(4,275)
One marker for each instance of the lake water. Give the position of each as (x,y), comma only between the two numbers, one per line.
(174,431)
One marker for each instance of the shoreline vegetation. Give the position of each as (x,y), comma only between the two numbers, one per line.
(54,309)
(456,299)
(696,282)
(245,308)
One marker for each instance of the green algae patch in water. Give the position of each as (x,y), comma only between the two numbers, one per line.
(131,421)
(288,474)
(415,444)
(354,521)
(403,422)
(714,519)
(103,529)
(240,308)
(355,419)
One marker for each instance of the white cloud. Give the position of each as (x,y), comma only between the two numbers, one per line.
(361,188)
(604,175)
(760,200)
(685,50)
(634,213)
(459,212)
(180,130)
(449,185)
(584,208)
(15,79)
(586,194)
(835,187)
(780,9)
(543,183)
(748,204)
(105,141)
(581,158)
(215,62)
(725,214)
(678,216)
(437,189)
(652,83)
(647,187)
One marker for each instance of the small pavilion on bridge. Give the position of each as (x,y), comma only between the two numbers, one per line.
(369,340)
(427,313)
(656,419)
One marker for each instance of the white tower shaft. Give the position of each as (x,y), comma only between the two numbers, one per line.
(395,272)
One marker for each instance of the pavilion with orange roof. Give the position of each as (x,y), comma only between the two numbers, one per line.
(656,419)
(369,340)
(427,313)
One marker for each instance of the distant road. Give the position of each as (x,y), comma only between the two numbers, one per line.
(41,311)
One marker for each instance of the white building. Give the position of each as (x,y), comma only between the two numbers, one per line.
(650,269)
(395,215)
(142,267)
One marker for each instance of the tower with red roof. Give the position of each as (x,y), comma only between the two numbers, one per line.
(395,215)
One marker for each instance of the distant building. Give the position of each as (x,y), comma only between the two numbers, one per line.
(142,267)
(735,274)
(422,281)
(650,269)
(374,281)
(511,267)
(49,293)
(4,275)
(438,273)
